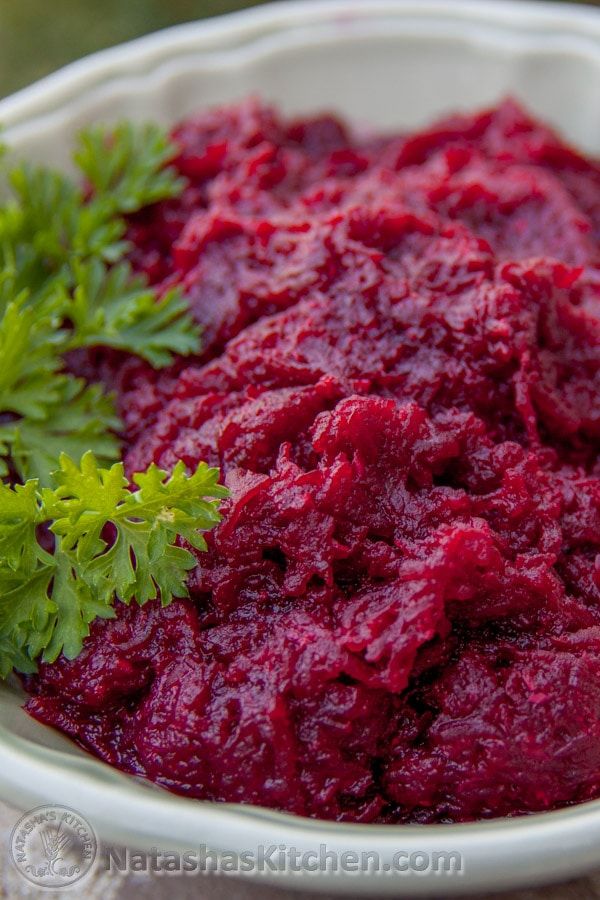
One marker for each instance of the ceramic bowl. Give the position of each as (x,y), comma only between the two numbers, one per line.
(383,63)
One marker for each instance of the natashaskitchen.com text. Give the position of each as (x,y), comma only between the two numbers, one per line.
(280,858)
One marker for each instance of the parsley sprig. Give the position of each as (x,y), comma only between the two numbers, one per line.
(77,537)
(48,599)
(64,285)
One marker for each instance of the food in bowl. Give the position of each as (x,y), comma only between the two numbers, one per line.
(397,619)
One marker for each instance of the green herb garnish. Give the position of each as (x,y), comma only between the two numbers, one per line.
(73,537)
(64,286)
(48,599)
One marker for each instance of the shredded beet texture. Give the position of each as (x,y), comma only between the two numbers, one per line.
(398,619)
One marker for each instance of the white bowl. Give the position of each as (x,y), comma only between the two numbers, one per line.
(388,63)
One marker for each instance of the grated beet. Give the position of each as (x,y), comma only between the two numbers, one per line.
(398,619)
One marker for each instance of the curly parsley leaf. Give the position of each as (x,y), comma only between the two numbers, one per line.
(111,543)
(80,418)
(19,517)
(128,164)
(29,360)
(62,287)
(124,169)
(114,309)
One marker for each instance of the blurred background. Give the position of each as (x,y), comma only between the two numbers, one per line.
(38,36)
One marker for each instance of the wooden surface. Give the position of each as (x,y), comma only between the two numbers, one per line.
(142,886)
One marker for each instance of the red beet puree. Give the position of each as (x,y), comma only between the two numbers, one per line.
(398,619)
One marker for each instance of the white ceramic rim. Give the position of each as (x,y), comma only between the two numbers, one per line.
(237,31)
(499,853)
